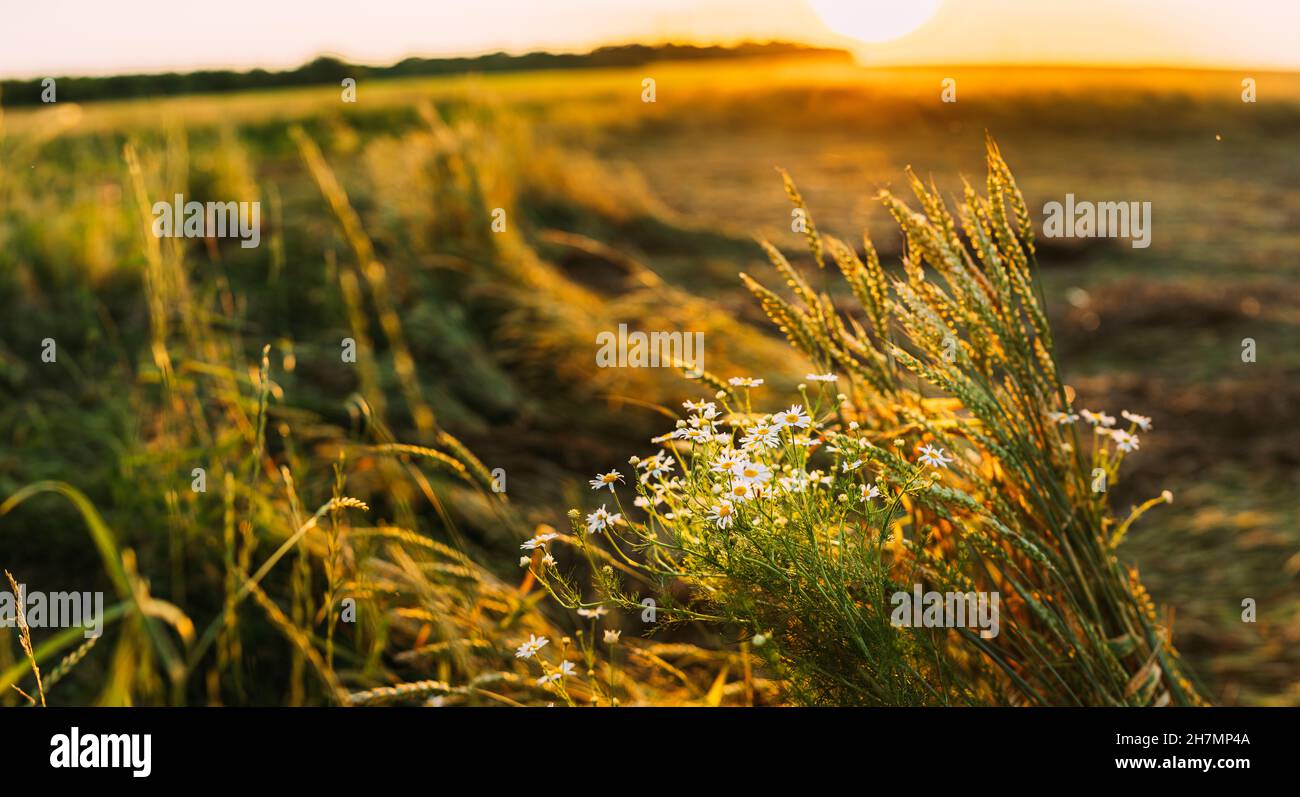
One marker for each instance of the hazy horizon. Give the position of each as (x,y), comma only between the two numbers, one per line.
(74,37)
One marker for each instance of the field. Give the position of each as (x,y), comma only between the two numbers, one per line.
(377,227)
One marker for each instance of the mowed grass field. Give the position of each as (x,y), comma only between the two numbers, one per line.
(622,210)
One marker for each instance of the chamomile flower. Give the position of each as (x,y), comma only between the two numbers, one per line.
(740,491)
(657,465)
(601,519)
(934,457)
(821,377)
(606,480)
(538,541)
(1097,418)
(1124,441)
(729,462)
(760,437)
(754,473)
(723,514)
(611,637)
(695,434)
(548,560)
(599,611)
(1063,418)
(792,418)
(706,408)
(869,492)
(1142,421)
(849,467)
(525,561)
(744,381)
(530,648)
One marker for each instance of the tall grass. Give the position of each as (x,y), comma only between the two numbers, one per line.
(393,588)
(939,448)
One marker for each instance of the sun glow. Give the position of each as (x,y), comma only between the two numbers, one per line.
(874,20)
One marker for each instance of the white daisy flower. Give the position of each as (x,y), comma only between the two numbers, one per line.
(729,462)
(694,434)
(821,377)
(606,480)
(740,491)
(792,418)
(525,561)
(705,408)
(723,514)
(1063,418)
(761,437)
(744,381)
(1124,441)
(600,519)
(869,493)
(599,611)
(1142,421)
(934,457)
(548,560)
(529,648)
(611,637)
(538,541)
(567,668)
(1097,418)
(657,465)
(704,422)
(754,473)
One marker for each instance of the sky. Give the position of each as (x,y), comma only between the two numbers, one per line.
(93,37)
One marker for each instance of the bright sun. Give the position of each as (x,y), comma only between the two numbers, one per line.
(874,20)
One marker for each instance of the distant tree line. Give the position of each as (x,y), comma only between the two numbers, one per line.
(329,70)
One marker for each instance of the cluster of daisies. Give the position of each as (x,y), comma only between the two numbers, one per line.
(531,649)
(742,457)
(1105,426)
(538,543)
